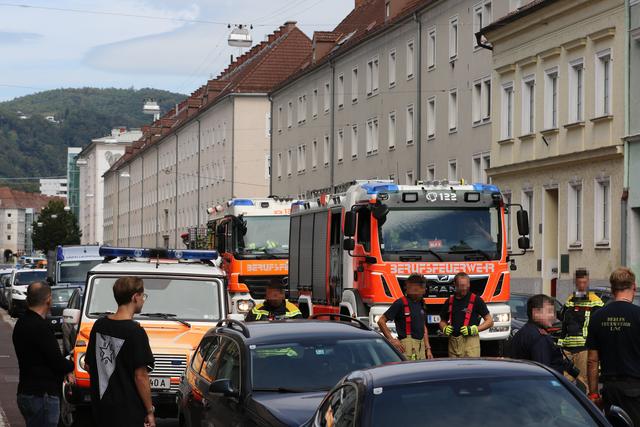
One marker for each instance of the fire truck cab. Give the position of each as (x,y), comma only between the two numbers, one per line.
(252,238)
(352,252)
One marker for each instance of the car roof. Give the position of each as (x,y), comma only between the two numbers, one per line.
(281,331)
(150,267)
(450,369)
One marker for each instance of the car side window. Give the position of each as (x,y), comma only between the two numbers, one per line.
(211,361)
(339,409)
(229,367)
(200,354)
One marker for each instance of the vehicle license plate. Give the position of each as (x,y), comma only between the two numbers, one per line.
(160,383)
(433,318)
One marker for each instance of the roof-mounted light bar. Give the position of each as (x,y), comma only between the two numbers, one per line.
(188,254)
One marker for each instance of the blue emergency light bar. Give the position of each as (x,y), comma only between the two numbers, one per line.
(240,202)
(488,188)
(108,251)
(379,187)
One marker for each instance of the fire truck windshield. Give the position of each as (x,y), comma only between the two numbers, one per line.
(441,234)
(265,235)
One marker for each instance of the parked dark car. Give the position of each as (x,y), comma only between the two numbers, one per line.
(273,373)
(458,392)
(60,296)
(69,331)
(5,276)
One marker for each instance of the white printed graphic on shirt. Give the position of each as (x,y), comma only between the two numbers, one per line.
(107,349)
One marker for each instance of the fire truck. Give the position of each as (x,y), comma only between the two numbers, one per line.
(351,253)
(252,237)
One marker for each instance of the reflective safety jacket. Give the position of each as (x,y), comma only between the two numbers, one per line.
(575,320)
(265,312)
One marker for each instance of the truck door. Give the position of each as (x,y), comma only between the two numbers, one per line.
(335,257)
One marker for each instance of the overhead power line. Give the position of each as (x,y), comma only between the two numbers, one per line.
(30,178)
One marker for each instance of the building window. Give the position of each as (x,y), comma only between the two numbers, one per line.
(528,105)
(431,48)
(431,117)
(392,68)
(431,172)
(453,110)
(279,121)
(603,83)
(289,114)
(373,73)
(576,91)
(372,136)
(479,165)
(486,99)
(326,150)
(340,145)
(453,38)
(527,205)
(354,85)
(341,91)
(279,165)
(354,141)
(387,9)
(391,137)
(410,59)
(603,212)
(476,102)
(453,170)
(481,18)
(9,226)
(302,158)
(302,109)
(8,236)
(551,99)
(409,125)
(314,103)
(289,162)
(327,97)
(409,178)
(574,220)
(507,111)
(314,154)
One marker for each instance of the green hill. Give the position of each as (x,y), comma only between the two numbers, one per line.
(33,146)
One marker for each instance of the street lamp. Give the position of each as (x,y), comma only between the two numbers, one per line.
(40,224)
(54,216)
(67,208)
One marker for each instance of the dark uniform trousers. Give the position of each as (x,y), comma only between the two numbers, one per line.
(624,393)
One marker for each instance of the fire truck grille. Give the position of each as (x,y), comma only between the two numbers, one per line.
(169,365)
(258,285)
(438,289)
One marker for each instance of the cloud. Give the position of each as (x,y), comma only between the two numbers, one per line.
(13,37)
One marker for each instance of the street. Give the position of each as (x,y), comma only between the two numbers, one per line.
(9,413)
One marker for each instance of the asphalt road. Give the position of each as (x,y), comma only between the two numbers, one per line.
(9,413)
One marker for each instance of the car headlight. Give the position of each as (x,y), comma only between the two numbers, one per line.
(502,317)
(245,305)
(81,365)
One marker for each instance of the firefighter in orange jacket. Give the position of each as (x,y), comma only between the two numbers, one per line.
(411,326)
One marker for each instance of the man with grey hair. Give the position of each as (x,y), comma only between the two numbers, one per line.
(42,366)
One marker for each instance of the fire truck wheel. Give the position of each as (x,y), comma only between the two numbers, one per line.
(352,296)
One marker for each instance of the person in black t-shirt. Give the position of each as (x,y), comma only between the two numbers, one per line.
(42,366)
(532,342)
(613,341)
(460,319)
(411,323)
(119,360)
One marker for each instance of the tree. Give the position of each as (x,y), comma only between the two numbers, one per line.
(54,227)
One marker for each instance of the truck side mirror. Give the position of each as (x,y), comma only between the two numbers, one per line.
(380,212)
(522,218)
(349,244)
(350,224)
(524,243)
(618,417)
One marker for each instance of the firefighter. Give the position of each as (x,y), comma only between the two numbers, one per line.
(460,319)
(275,305)
(411,326)
(576,313)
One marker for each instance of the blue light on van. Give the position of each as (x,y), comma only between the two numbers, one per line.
(108,251)
(59,254)
(378,187)
(486,188)
(241,202)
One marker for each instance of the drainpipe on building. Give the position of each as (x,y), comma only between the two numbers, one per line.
(332,124)
(142,203)
(233,164)
(117,240)
(624,202)
(270,145)
(199,164)
(175,222)
(157,194)
(129,210)
(418,174)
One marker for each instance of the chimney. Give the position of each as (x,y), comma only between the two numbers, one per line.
(323,42)
(393,8)
(193,104)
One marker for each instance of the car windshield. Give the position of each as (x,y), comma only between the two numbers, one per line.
(446,234)
(312,365)
(76,271)
(24,278)
(186,299)
(514,401)
(265,234)
(61,296)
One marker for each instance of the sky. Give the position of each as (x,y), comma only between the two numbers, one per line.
(174,45)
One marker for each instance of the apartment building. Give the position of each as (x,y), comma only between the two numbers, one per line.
(212,147)
(93,161)
(558,122)
(54,187)
(18,211)
(398,90)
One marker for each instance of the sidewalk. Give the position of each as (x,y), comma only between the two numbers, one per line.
(9,413)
